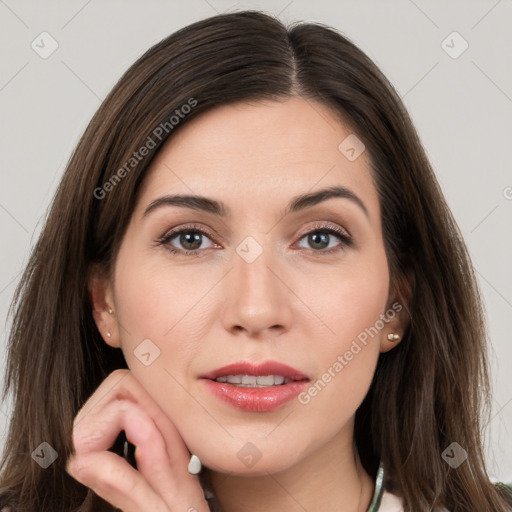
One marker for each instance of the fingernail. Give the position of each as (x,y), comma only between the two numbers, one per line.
(194,466)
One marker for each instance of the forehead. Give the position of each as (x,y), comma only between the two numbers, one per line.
(255,150)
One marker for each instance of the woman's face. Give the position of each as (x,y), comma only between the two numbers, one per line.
(267,282)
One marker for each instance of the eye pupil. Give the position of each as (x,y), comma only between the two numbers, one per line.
(191,237)
(322,238)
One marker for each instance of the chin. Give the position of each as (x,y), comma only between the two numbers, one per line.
(249,461)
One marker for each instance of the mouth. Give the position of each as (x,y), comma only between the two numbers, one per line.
(254,381)
(252,387)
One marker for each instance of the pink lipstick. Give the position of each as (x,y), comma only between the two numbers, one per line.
(253,387)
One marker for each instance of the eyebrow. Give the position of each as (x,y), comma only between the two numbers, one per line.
(216,207)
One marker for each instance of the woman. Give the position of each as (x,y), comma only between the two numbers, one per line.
(171,301)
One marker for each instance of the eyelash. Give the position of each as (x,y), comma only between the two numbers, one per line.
(346,239)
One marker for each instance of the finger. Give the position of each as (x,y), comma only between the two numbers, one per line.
(101,427)
(118,483)
(105,392)
(170,481)
(106,473)
(122,383)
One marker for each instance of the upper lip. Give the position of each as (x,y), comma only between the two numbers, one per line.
(264,368)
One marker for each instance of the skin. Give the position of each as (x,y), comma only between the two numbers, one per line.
(294,303)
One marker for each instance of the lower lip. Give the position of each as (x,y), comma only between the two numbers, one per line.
(255,399)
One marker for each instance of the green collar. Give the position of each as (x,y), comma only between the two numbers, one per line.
(379,489)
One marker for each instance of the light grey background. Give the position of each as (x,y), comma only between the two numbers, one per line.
(462,108)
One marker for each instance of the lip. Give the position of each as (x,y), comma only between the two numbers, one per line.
(256,399)
(265,368)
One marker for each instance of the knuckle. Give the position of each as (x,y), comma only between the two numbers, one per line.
(123,404)
(120,377)
(120,372)
(84,437)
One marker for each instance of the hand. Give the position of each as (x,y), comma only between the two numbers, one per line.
(161,482)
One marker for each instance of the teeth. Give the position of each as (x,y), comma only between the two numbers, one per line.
(279,379)
(268,380)
(253,381)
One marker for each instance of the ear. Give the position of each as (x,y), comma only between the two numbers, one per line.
(102,300)
(397,317)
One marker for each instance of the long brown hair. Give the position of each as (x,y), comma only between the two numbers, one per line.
(426,393)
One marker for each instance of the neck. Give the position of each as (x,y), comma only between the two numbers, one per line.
(330,479)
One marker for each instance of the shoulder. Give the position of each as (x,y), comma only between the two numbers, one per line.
(392,503)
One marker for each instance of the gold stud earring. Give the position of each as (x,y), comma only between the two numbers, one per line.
(393,337)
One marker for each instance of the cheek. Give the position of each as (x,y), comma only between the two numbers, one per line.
(155,298)
(152,312)
(350,304)
(159,302)
(349,299)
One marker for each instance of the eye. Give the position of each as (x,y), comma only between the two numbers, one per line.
(320,237)
(190,237)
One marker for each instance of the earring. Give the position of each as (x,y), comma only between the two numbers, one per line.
(393,337)
(110,310)
(108,334)
(194,466)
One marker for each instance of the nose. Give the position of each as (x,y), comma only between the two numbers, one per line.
(257,298)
